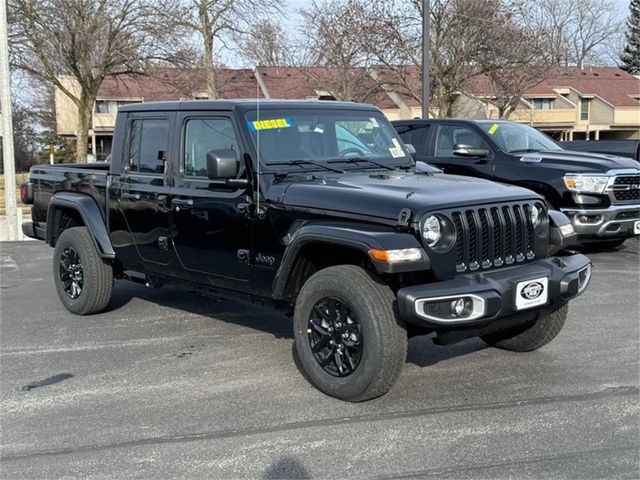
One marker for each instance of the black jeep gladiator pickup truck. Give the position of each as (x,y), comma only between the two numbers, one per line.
(316,209)
(599,193)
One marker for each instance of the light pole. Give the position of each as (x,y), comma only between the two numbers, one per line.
(7,130)
(426,57)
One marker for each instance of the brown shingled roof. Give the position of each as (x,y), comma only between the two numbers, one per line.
(610,83)
(305,82)
(174,84)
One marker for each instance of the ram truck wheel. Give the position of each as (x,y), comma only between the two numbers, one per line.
(531,336)
(349,342)
(83,279)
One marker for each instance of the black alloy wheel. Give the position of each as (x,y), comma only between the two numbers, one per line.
(335,337)
(71,273)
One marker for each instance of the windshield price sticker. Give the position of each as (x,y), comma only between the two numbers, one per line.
(270,124)
(374,122)
(396,151)
(493,128)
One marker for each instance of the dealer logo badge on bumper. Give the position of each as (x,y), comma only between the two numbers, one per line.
(532,293)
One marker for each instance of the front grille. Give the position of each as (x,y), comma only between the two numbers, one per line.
(493,236)
(626,188)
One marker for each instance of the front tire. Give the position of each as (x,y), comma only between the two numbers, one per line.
(83,280)
(533,335)
(349,342)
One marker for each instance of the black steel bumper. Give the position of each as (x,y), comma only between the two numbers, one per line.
(498,290)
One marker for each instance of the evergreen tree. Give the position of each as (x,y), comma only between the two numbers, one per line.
(631,55)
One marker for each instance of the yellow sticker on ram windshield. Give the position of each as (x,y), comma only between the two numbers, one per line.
(493,128)
(270,124)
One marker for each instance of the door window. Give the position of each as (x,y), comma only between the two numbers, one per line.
(448,136)
(148,145)
(415,135)
(203,135)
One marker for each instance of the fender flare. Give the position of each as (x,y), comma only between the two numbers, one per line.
(356,236)
(92,216)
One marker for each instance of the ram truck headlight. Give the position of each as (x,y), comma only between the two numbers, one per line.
(586,183)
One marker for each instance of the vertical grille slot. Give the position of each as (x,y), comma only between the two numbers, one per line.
(520,234)
(473,263)
(508,236)
(460,265)
(487,239)
(493,236)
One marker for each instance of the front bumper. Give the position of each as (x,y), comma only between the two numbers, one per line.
(615,221)
(567,278)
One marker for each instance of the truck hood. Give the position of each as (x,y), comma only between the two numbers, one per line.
(577,162)
(383,195)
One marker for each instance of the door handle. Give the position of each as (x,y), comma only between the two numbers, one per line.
(130,196)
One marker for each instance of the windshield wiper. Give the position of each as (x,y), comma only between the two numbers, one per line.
(305,162)
(360,159)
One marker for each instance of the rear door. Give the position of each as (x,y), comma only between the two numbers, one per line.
(140,226)
(211,230)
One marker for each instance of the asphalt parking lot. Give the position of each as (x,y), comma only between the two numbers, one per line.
(170,384)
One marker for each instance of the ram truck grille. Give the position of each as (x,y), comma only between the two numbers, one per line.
(626,188)
(493,236)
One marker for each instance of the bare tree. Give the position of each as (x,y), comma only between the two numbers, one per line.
(514,64)
(267,44)
(577,33)
(217,22)
(462,32)
(333,34)
(85,40)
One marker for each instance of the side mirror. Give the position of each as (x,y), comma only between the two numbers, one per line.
(412,151)
(222,164)
(463,150)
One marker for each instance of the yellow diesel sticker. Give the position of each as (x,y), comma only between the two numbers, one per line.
(493,128)
(270,124)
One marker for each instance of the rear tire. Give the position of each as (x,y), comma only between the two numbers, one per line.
(83,280)
(533,335)
(346,301)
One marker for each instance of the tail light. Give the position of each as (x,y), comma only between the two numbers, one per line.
(26,193)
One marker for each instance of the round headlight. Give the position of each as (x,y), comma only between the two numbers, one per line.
(431,230)
(536,214)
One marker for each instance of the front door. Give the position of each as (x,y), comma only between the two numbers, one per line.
(444,139)
(140,226)
(211,231)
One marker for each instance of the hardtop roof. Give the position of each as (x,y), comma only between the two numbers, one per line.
(244,104)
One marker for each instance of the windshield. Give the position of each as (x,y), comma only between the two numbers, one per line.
(515,137)
(311,137)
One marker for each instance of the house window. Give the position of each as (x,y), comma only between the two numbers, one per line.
(542,103)
(111,106)
(584,109)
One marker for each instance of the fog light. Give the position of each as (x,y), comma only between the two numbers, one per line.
(452,308)
(462,307)
(589,219)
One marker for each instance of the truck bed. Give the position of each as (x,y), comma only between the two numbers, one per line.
(90,179)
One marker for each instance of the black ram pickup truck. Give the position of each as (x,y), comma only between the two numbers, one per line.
(599,193)
(314,208)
